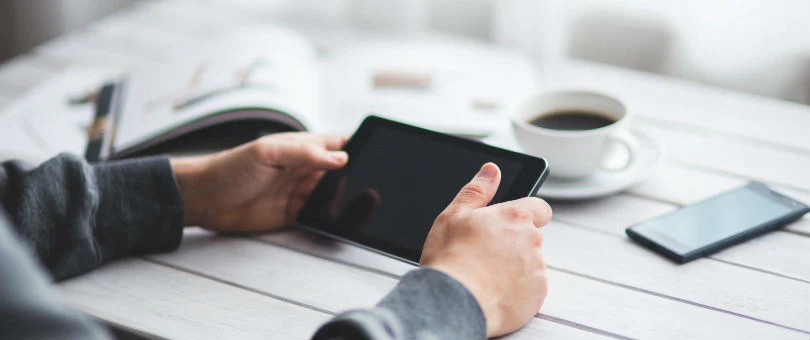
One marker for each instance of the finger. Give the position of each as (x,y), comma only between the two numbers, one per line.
(308,184)
(479,191)
(299,155)
(529,208)
(328,141)
(332,142)
(301,192)
(541,258)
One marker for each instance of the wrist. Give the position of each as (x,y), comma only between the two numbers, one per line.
(476,288)
(188,171)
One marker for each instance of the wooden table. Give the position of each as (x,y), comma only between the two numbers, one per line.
(283,285)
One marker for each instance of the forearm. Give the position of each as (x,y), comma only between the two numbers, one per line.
(426,304)
(76,216)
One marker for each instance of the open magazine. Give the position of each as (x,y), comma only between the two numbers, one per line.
(238,87)
(248,83)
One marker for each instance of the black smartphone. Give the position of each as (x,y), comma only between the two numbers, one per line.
(717,223)
(399,178)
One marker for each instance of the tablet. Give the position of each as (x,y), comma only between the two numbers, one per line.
(399,178)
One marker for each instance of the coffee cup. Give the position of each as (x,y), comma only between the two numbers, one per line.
(577,131)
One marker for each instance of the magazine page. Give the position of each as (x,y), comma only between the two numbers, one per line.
(265,68)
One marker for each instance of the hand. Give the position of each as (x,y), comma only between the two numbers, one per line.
(258,186)
(493,251)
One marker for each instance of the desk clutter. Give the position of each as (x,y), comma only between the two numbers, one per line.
(268,79)
(602,284)
(247,82)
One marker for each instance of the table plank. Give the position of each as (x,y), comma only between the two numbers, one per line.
(23,72)
(717,285)
(602,306)
(689,104)
(749,160)
(292,276)
(678,184)
(169,303)
(775,252)
(682,185)
(647,316)
(15,143)
(610,214)
(542,329)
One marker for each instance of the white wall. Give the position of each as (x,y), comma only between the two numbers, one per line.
(31,22)
(759,46)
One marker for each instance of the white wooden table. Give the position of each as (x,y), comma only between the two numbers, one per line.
(283,285)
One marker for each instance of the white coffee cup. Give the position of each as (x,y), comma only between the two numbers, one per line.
(575,154)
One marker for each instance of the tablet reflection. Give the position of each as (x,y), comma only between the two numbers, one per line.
(347,215)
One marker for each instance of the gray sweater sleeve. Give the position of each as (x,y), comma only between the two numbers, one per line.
(29,308)
(76,217)
(426,305)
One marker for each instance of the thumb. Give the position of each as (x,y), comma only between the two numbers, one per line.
(480,191)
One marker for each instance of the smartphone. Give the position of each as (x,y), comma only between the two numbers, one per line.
(717,223)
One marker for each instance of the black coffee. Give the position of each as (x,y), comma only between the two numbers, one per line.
(572,120)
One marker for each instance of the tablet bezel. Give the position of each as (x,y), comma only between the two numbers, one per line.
(532,175)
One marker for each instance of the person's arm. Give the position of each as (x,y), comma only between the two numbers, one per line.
(76,216)
(483,274)
(426,304)
(29,308)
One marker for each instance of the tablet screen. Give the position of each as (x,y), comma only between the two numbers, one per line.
(397,182)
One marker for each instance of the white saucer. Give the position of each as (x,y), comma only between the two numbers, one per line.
(604,183)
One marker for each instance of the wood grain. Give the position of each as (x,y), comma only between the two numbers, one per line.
(748,160)
(294,276)
(600,281)
(602,306)
(774,252)
(291,275)
(713,284)
(683,185)
(542,329)
(172,304)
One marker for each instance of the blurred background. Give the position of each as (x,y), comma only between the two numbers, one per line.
(756,46)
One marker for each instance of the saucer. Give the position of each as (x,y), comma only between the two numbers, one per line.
(604,183)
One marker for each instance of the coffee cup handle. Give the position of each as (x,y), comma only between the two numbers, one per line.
(621,140)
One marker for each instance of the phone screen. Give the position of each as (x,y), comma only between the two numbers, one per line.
(714,219)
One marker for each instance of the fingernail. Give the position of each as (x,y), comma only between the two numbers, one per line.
(339,156)
(489,170)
